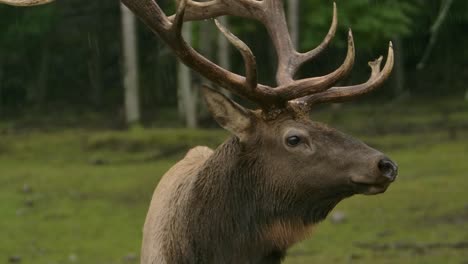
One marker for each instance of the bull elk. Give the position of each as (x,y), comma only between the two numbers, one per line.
(280,173)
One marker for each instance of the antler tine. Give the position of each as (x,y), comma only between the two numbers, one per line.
(151,14)
(312,54)
(289,60)
(25,2)
(178,21)
(170,32)
(304,87)
(271,14)
(249,58)
(338,94)
(274,19)
(209,9)
(214,8)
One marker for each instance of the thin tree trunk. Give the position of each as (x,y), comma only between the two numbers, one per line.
(223,46)
(224,59)
(293,21)
(399,81)
(130,66)
(187,101)
(207,42)
(445,7)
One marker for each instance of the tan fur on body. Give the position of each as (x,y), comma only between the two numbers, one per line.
(177,178)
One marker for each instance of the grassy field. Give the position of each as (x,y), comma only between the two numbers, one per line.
(81,195)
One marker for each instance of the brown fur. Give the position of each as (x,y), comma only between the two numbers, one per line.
(254,196)
(164,197)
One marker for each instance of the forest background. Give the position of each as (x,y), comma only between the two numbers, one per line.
(86,132)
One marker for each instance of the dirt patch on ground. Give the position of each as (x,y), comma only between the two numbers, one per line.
(458,217)
(420,248)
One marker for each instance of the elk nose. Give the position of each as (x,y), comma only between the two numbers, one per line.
(388,168)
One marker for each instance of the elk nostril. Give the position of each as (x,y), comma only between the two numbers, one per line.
(388,169)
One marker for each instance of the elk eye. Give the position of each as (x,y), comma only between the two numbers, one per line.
(293,141)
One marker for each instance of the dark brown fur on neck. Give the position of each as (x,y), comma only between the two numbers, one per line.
(234,213)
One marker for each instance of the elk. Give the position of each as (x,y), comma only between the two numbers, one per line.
(280,173)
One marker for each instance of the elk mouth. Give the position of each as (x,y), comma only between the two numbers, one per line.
(370,188)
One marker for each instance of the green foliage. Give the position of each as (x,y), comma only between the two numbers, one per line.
(25,24)
(375,22)
(458,12)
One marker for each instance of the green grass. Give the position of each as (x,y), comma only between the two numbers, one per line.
(77,207)
(90,190)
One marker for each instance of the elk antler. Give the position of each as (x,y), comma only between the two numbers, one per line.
(337,94)
(25,2)
(271,14)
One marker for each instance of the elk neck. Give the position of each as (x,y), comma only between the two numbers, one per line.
(233,205)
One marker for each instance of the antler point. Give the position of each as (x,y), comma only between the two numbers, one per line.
(376,61)
(350,36)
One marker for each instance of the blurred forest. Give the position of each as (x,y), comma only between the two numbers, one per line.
(67,57)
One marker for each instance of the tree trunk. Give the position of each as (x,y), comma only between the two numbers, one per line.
(224,59)
(130,66)
(187,99)
(435,28)
(223,46)
(399,81)
(207,42)
(293,21)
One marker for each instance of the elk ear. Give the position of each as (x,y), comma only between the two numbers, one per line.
(229,115)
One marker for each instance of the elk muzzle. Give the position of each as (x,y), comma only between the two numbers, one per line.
(385,173)
(388,169)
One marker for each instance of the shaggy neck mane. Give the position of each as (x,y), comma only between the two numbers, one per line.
(235,210)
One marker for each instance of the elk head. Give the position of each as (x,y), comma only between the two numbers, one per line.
(296,149)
